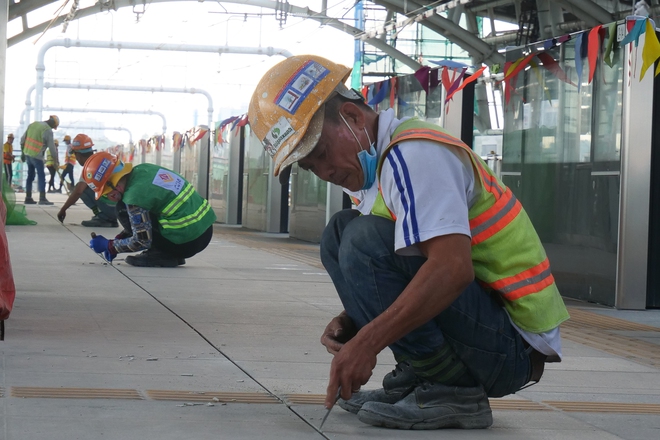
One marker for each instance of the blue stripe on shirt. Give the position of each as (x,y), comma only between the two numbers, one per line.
(411,196)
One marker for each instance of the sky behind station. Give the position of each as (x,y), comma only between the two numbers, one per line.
(229,78)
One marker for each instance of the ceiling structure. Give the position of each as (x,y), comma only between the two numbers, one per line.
(455,20)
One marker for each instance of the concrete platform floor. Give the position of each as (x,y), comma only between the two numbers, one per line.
(227,347)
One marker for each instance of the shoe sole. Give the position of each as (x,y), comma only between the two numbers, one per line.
(138,263)
(99,225)
(479,420)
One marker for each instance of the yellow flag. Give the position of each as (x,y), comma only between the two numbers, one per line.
(651,51)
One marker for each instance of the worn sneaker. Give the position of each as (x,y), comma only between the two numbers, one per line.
(153,258)
(396,385)
(29,201)
(96,222)
(432,406)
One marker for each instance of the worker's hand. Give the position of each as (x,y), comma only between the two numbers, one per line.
(61,215)
(100,244)
(351,368)
(338,331)
(62,167)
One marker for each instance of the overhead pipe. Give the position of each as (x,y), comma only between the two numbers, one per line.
(137,89)
(67,42)
(106,110)
(97,127)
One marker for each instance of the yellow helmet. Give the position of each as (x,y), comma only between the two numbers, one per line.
(284,109)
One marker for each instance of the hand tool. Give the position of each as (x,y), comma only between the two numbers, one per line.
(329,409)
(101,253)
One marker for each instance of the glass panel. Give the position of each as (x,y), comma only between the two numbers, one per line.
(255,185)
(308,205)
(219,182)
(412,98)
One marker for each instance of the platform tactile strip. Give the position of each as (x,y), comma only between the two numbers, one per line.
(75,393)
(606,407)
(211,396)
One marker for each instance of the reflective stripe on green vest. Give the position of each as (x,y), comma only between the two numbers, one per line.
(183,215)
(507,254)
(34,139)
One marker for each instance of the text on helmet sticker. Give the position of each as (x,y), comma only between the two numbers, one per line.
(277,134)
(102,169)
(169,180)
(300,85)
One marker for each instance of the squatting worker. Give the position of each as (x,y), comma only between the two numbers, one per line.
(160,211)
(439,261)
(105,214)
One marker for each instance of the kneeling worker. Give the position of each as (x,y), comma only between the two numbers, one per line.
(160,211)
(105,214)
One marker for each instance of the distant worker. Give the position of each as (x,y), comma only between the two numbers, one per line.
(160,211)
(50,164)
(105,212)
(69,162)
(8,156)
(34,142)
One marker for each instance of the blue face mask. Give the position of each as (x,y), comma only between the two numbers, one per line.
(369,162)
(368,159)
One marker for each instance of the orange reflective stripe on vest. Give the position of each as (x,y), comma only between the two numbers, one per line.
(530,281)
(495,218)
(33,145)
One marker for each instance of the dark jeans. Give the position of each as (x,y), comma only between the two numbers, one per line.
(35,165)
(106,212)
(8,172)
(68,171)
(162,244)
(358,253)
(51,183)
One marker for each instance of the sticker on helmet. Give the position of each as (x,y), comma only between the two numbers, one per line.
(169,180)
(300,85)
(277,134)
(101,170)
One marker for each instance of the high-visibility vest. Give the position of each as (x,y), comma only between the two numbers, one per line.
(34,139)
(71,159)
(49,159)
(7,153)
(507,254)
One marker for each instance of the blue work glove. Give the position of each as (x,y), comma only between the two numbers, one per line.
(100,244)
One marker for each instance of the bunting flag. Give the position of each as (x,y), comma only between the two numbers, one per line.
(176,141)
(595,37)
(455,84)
(633,34)
(365,93)
(553,66)
(451,64)
(143,145)
(381,94)
(651,51)
(467,81)
(240,122)
(611,30)
(422,76)
(434,79)
(393,91)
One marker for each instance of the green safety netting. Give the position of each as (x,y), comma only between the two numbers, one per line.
(15,213)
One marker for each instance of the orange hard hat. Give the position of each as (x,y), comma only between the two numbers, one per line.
(287,108)
(103,168)
(82,143)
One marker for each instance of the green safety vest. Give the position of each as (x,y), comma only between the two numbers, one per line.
(507,254)
(183,215)
(34,139)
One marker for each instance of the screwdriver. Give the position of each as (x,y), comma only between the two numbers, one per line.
(329,409)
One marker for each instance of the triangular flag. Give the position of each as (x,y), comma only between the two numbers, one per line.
(381,94)
(611,30)
(553,67)
(422,76)
(633,35)
(651,51)
(392,92)
(593,50)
